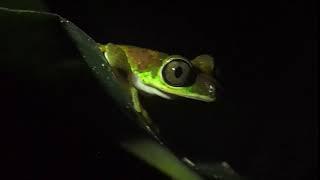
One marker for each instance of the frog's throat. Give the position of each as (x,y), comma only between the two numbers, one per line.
(150,90)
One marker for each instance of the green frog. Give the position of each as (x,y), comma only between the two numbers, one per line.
(146,71)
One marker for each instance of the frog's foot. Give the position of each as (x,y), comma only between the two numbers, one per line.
(144,116)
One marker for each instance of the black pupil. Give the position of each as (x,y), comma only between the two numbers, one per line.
(178,72)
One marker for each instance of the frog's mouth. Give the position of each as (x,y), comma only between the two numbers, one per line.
(150,90)
(155,91)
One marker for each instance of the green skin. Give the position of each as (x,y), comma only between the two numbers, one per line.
(143,73)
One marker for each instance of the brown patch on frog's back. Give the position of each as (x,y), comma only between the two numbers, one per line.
(142,59)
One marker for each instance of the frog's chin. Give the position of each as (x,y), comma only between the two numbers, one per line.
(198,98)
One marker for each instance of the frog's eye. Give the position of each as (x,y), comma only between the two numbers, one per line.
(178,72)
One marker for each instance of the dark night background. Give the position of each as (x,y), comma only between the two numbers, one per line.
(264,123)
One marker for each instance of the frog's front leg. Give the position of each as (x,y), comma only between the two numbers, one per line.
(145,120)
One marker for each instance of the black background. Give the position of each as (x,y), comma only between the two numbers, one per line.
(264,125)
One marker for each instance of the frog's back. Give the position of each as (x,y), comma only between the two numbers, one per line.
(142,59)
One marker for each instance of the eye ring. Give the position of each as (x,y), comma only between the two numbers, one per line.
(177,72)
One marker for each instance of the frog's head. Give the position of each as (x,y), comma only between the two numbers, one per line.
(181,77)
(167,75)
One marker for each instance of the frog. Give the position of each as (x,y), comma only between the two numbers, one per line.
(150,72)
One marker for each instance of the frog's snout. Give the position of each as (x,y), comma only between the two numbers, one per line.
(206,88)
